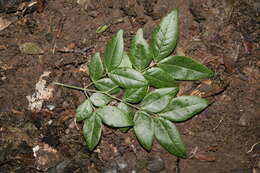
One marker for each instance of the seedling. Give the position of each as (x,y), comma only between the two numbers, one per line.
(148,77)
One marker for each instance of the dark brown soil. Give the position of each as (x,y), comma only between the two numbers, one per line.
(224,35)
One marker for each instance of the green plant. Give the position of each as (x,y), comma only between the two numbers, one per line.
(148,78)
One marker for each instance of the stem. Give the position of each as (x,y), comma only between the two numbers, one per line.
(91,90)
(149,67)
(72,87)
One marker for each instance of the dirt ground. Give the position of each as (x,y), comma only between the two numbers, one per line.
(223,34)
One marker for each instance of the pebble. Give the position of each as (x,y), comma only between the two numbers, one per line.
(50,107)
(111,168)
(243,120)
(121,163)
(155,164)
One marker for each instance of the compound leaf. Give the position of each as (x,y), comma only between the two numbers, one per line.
(158,99)
(96,69)
(165,36)
(141,54)
(184,107)
(185,68)
(84,110)
(114,117)
(114,51)
(135,95)
(99,99)
(128,78)
(106,84)
(144,129)
(168,137)
(92,129)
(159,78)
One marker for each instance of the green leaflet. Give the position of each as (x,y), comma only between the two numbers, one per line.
(125,61)
(92,129)
(107,84)
(99,99)
(159,78)
(184,107)
(114,51)
(127,110)
(128,78)
(141,54)
(168,137)
(165,36)
(135,95)
(114,117)
(144,129)
(96,68)
(158,99)
(84,110)
(185,68)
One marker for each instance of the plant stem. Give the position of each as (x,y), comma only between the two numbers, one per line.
(91,90)
(149,67)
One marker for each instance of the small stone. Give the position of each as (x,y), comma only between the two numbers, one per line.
(46,157)
(243,121)
(72,125)
(155,164)
(51,107)
(121,163)
(67,131)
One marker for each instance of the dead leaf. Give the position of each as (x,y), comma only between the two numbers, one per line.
(31,49)
(201,155)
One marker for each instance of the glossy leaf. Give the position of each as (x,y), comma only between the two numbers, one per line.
(125,61)
(185,68)
(114,117)
(135,95)
(158,78)
(96,69)
(124,108)
(92,129)
(84,110)
(127,110)
(165,36)
(169,137)
(114,51)
(99,99)
(107,84)
(184,107)
(128,78)
(144,129)
(158,99)
(141,54)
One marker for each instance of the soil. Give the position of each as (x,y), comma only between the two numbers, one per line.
(224,35)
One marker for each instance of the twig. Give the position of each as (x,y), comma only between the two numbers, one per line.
(252,147)
(154,64)
(215,128)
(178,165)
